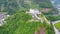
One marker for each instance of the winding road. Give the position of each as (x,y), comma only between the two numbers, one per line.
(34,13)
(56,30)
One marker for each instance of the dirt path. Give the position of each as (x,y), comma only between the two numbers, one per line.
(42,31)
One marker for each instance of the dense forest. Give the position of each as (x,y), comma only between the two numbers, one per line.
(11,6)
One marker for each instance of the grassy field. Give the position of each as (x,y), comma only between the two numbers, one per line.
(58,25)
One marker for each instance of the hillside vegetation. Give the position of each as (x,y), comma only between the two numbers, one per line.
(58,25)
(19,24)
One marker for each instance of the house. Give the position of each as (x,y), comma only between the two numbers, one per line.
(3,16)
(1,19)
(58,7)
(46,9)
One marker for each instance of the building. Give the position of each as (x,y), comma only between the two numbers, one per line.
(1,19)
(46,9)
(58,7)
(3,16)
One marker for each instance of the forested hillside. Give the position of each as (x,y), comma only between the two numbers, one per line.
(19,24)
(19,21)
(11,6)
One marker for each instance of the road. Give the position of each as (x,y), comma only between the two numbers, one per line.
(44,18)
